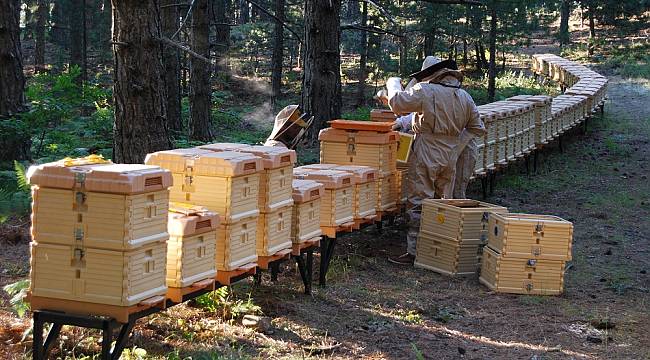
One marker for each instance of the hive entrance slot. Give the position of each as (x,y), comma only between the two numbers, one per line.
(153,181)
(203,224)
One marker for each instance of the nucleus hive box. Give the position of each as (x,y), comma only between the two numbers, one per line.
(337,199)
(306,210)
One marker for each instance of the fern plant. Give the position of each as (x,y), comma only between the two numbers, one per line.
(18,292)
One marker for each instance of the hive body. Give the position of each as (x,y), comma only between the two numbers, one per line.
(306,210)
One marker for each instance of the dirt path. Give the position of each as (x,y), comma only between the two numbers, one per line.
(373,309)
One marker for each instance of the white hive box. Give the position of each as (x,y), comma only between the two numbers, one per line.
(191,248)
(306,210)
(102,205)
(226,182)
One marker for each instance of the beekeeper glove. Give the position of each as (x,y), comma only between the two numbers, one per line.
(393,85)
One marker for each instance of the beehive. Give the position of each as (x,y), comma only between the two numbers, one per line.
(387,191)
(225,182)
(446,256)
(191,248)
(520,275)
(274,230)
(367,148)
(110,277)
(365,190)
(306,210)
(237,243)
(530,236)
(457,219)
(382,115)
(276,177)
(100,205)
(337,199)
(542,114)
(402,178)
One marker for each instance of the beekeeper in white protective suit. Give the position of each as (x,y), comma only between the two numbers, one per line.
(445,121)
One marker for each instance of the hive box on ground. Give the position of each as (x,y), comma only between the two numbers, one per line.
(226,182)
(337,199)
(191,248)
(110,277)
(306,210)
(530,236)
(520,275)
(100,205)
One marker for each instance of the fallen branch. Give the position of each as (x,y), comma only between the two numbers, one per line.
(370,29)
(284,25)
(186,49)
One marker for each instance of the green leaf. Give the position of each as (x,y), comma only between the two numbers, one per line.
(18,292)
(21,176)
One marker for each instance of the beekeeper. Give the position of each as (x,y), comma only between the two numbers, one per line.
(445,120)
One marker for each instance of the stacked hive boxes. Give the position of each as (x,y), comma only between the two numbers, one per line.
(542,104)
(452,234)
(526,254)
(377,149)
(336,202)
(306,210)
(191,248)
(99,234)
(225,182)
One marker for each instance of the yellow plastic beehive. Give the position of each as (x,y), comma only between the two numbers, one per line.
(191,248)
(274,231)
(402,178)
(365,189)
(531,236)
(447,256)
(457,219)
(337,199)
(226,182)
(366,148)
(111,277)
(387,192)
(106,206)
(520,275)
(237,243)
(306,210)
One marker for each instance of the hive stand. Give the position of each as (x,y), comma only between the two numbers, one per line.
(305,266)
(272,263)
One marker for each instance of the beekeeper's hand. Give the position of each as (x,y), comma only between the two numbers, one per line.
(397,125)
(393,85)
(382,97)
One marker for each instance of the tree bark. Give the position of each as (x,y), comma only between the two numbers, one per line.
(321,86)
(171,61)
(244,12)
(76,23)
(493,52)
(41,19)
(138,90)
(361,89)
(592,30)
(278,47)
(222,32)
(200,91)
(565,12)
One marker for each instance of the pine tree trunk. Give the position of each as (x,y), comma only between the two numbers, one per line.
(200,91)
(403,54)
(278,47)
(222,33)
(361,89)
(138,90)
(493,52)
(14,144)
(244,12)
(58,32)
(565,12)
(592,31)
(41,19)
(76,24)
(321,87)
(171,61)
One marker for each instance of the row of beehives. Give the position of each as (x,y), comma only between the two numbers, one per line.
(516,253)
(520,124)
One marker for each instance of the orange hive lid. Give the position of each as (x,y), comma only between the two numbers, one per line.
(362,174)
(186,220)
(223,146)
(307,190)
(272,156)
(206,163)
(331,179)
(106,177)
(361,125)
(360,137)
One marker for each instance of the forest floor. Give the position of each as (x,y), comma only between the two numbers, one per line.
(374,309)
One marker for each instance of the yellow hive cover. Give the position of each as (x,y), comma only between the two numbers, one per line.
(188,220)
(100,177)
(272,156)
(223,146)
(331,179)
(307,190)
(362,174)
(206,163)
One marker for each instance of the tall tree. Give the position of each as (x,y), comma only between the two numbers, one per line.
(278,47)
(200,91)
(565,12)
(12,81)
(361,89)
(492,70)
(172,62)
(321,86)
(138,84)
(77,36)
(592,29)
(41,19)
(222,32)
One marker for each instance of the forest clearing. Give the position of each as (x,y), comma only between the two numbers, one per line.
(214,73)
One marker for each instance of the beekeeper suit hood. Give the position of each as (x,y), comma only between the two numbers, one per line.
(442,112)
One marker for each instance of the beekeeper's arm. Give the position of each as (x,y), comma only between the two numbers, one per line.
(403,101)
(474,128)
